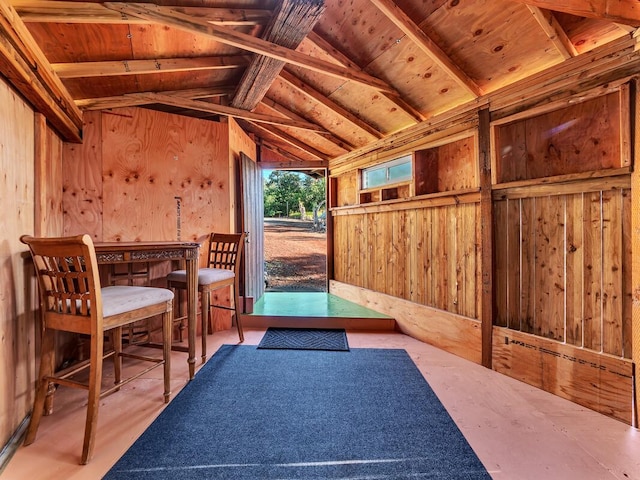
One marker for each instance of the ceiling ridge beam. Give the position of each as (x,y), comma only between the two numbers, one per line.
(307,89)
(148,66)
(549,23)
(95,13)
(173,18)
(339,56)
(428,46)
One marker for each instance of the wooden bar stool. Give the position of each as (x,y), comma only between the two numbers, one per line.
(223,262)
(72,300)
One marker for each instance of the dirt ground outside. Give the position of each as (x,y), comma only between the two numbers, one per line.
(295,256)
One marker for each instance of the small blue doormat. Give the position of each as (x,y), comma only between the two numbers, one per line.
(305,339)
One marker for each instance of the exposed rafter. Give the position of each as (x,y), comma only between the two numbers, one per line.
(307,89)
(554,31)
(621,11)
(229,111)
(428,46)
(173,18)
(25,65)
(136,99)
(277,108)
(293,141)
(88,12)
(139,67)
(337,55)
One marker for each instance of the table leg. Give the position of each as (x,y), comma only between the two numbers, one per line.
(192,311)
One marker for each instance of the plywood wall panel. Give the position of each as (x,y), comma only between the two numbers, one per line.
(17,299)
(48,179)
(165,177)
(82,181)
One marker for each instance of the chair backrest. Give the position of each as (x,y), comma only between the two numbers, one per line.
(69,283)
(225,250)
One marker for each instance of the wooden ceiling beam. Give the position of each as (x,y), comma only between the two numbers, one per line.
(141,67)
(291,140)
(337,55)
(428,46)
(549,23)
(290,24)
(173,18)
(26,67)
(136,99)
(96,13)
(307,89)
(230,111)
(620,11)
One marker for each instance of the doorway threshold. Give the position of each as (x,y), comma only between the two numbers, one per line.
(314,310)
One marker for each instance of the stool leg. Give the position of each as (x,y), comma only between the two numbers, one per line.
(47,355)
(167,328)
(116,339)
(236,310)
(205,320)
(95,381)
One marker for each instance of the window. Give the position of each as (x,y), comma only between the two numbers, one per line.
(387,173)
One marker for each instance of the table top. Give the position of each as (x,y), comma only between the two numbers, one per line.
(147,245)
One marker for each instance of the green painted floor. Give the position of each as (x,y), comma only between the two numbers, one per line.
(310,304)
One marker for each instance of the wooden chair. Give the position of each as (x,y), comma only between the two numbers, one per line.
(72,300)
(225,252)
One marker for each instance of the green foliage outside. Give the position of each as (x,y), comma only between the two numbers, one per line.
(289,194)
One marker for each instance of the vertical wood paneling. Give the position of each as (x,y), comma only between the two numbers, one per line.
(527,255)
(612,272)
(502,266)
(627,259)
(470,265)
(592,234)
(574,269)
(573,249)
(512,253)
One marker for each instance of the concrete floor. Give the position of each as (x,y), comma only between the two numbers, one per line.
(517,431)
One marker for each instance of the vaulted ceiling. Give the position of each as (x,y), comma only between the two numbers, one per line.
(311,80)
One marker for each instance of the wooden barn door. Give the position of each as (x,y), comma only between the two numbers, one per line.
(252,223)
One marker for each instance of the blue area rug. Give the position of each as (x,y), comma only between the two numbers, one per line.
(305,339)
(303,414)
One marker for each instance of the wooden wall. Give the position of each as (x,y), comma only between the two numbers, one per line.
(17,293)
(560,245)
(146,175)
(426,253)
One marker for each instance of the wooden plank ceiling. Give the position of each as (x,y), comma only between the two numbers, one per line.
(312,80)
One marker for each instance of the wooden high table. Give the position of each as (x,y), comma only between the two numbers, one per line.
(132,252)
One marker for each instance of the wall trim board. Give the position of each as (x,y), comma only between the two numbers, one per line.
(450,332)
(598,381)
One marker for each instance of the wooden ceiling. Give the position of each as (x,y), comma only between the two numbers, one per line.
(310,80)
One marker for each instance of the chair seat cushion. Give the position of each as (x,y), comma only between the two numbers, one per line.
(121,299)
(206,276)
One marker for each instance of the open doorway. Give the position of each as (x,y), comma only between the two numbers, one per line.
(295,233)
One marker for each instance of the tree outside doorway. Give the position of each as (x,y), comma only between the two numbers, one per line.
(295,241)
